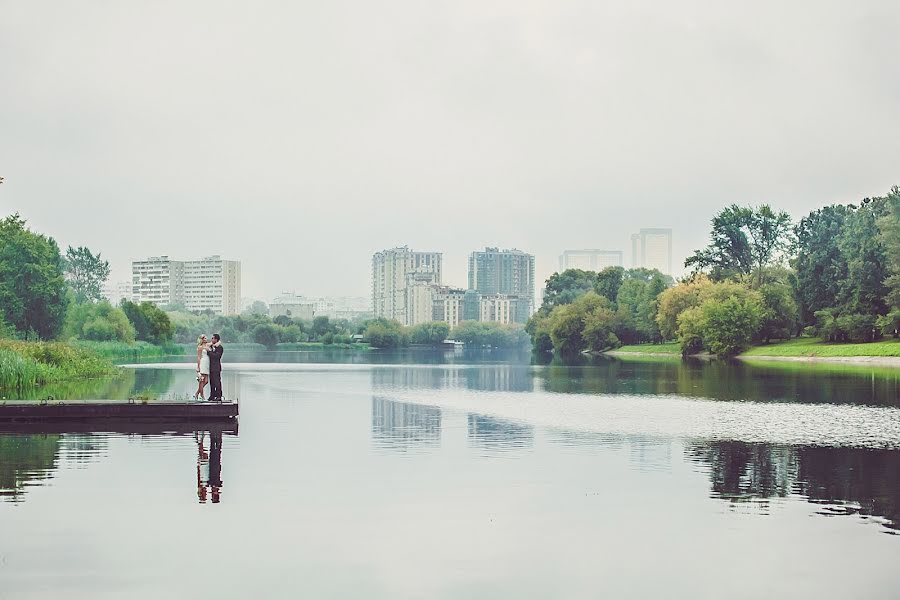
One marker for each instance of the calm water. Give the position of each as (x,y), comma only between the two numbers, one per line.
(421,475)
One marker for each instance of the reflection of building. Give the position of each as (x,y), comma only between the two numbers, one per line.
(393,272)
(652,249)
(497,434)
(507,272)
(207,284)
(403,426)
(590,260)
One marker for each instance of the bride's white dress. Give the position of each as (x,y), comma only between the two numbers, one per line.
(204,363)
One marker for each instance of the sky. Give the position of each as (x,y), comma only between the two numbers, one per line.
(302,137)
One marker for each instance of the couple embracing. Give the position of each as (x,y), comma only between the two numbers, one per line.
(209,367)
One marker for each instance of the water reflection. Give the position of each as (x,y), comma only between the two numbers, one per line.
(402,426)
(492,434)
(843,480)
(721,380)
(31,453)
(493,378)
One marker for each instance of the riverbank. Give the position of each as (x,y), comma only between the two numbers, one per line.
(30,364)
(884,353)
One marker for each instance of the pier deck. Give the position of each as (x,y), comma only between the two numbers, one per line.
(98,410)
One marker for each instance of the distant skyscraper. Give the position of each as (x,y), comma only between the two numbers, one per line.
(652,249)
(508,272)
(207,284)
(397,270)
(590,260)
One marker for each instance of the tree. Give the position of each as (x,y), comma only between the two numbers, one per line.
(101,322)
(265,334)
(150,322)
(431,334)
(781,315)
(32,284)
(567,323)
(727,319)
(496,335)
(564,288)
(674,301)
(889,230)
(86,273)
(863,290)
(636,301)
(743,240)
(384,333)
(609,280)
(820,264)
(257,308)
(889,227)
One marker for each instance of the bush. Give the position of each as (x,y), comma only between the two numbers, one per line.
(26,364)
(725,322)
(101,322)
(382,333)
(150,322)
(265,334)
(432,334)
(851,327)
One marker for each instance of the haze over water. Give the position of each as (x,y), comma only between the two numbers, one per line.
(423,475)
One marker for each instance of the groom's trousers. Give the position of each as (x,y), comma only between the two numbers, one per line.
(215,385)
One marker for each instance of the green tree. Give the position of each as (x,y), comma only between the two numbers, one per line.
(567,323)
(431,334)
(101,322)
(86,273)
(265,334)
(564,288)
(609,280)
(384,333)
(150,322)
(674,301)
(863,290)
(257,308)
(889,230)
(32,284)
(781,316)
(820,263)
(727,319)
(743,240)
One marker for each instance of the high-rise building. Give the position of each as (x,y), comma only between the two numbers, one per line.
(507,272)
(449,306)
(159,280)
(116,292)
(293,306)
(213,284)
(652,249)
(207,284)
(590,260)
(391,270)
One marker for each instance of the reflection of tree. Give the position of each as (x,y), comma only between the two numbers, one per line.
(722,380)
(118,387)
(25,458)
(865,478)
(489,378)
(497,434)
(402,426)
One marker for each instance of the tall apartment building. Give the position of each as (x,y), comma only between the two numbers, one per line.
(207,284)
(391,271)
(590,260)
(159,280)
(507,272)
(213,284)
(652,249)
(449,306)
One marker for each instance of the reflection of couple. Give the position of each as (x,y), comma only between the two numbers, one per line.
(209,367)
(209,466)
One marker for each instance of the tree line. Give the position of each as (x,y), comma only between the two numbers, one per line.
(834,275)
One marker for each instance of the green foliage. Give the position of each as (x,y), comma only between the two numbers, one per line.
(674,301)
(256,308)
(32,286)
(743,240)
(265,334)
(811,346)
(564,288)
(538,327)
(781,315)
(609,280)
(848,327)
(85,273)
(432,334)
(568,323)
(151,323)
(724,323)
(863,290)
(99,322)
(28,364)
(487,334)
(889,232)
(383,333)
(820,263)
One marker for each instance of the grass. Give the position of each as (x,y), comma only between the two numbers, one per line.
(814,347)
(135,351)
(667,348)
(29,364)
(319,346)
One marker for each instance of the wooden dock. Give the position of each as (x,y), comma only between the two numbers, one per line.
(99,411)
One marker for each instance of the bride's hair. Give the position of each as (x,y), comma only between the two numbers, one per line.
(200,341)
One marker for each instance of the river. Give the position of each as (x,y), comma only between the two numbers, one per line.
(425,474)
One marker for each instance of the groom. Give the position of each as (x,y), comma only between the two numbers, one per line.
(215,368)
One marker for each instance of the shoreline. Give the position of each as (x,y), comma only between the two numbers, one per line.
(877,361)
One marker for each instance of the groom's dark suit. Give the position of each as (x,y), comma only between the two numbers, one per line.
(215,372)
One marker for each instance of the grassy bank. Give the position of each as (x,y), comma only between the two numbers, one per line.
(136,351)
(29,364)
(321,346)
(814,347)
(668,348)
(799,347)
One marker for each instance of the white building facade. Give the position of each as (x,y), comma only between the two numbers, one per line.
(652,249)
(590,260)
(207,284)
(391,277)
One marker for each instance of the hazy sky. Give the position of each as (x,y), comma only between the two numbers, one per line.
(300,137)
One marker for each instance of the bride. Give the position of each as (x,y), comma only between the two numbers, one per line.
(202,366)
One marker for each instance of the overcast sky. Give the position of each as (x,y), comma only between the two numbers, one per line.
(300,137)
